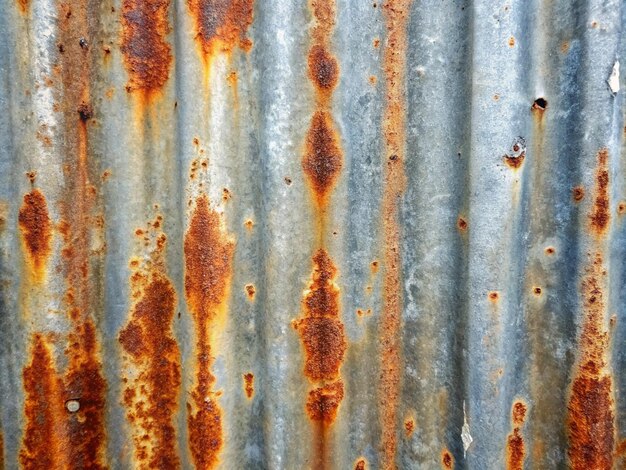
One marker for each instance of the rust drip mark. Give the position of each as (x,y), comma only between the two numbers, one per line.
(323,68)
(539,105)
(517,154)
(578,193)
(515,446)
(324,401)
(151,392)
(493,296)
(248,384)
(447,461)
(147,54)
(250,291)
(36,230)
(590,423)
(320,329)
(600,215)
(323,158)
(409,427)
(1,451)
(23,5)
(208,270)
(360,464)
(43,443)
(221,25)
(394,128)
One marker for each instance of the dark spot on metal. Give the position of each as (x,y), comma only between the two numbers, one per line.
(590,422)
(82,42)
(85,111)
(540,104)
(288,181)
(32,176)
(151,396)
(221,25)
(537,291)
(600,215)
(251,291)
(208,271)
(146,52)
(36,230)
(578,193)
(226,195)
(248,384)
(447,461)
(323,158)
(360,464)
(323,68)
(324,401)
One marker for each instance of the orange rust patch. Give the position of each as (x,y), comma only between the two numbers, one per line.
(36,229)
(323,158)
(251,291)
(550,250)
(221,25)
(590,422)
(324,401)
(537,291)
(23,5)
(321,330)
(149,345)
(461,223)
(249,224)
(600,215)
(360,464)
(447,461)
(578,193)
(493,296)
(511,41)
(376,43)
(248,384)
(516,448)
(374,267)
(515,161)
(323,68)
(394,133)
(621,208)
(43,440)
(147,54)
(208,271)
(409,427)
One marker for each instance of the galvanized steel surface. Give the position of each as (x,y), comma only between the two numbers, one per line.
(327,234)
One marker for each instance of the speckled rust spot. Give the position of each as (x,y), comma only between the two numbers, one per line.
(146,52)
(578,193)
(515,447)
(550,250)
(151,391)
(323,68)
(221,25)
(321,330)
(44,435)
(36,230)
(324,401)
(447,461)
(600,215)
(394,181)
(518,413)
(208,271)
(461,224)
(250,291)
(360,464)
(515,162)
(409,427)
(323,158)
(590,422)
(248,384)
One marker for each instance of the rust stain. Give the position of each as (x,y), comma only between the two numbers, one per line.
(394,126)
(250,291)
(24,5)
(147,54)
(461,224)
(43,443)
(514,162)
(323,158)
(578,193)
(511,41)
(493,296)
(208,270)
(249,224)
(248,384)
(324,401)
(36,230)
(550,250)
(447,461)
(539,105)
(600,215)
(153,383)
(323,68)
(360,464)
(221,25)
(590,422)
(409,427)
(516,448)
(621,208)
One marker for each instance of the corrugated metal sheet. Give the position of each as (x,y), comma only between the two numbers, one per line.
(312,234)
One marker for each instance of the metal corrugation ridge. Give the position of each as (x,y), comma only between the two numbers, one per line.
(312,234)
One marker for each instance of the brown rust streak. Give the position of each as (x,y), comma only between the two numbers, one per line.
(590,422)
(36,230)
(208,271)
(248,384)
(149,345)
(221,25)
(23,5)
(447,461)
(394,125)
(43,443)
(146,52)
(600,215)
(515,445)
(360,464)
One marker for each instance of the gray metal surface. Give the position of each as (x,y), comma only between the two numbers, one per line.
(329,234)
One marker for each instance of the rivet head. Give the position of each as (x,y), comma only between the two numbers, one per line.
(72,406)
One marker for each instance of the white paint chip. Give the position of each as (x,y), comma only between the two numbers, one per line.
(613,80)
(465,433)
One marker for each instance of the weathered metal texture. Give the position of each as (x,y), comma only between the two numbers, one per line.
(312,234)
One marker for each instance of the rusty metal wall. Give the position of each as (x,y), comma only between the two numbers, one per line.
(344,234)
